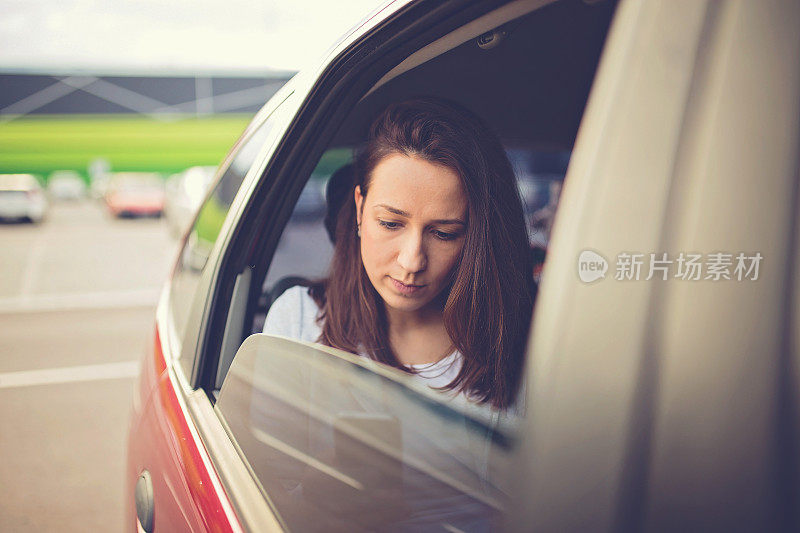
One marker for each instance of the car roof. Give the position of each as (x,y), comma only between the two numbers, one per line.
(511,85)
(63,175)
(18,182)
(135,177)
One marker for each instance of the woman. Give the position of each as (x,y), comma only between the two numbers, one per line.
(431,270)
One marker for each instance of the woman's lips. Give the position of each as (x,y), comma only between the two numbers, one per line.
(406,290)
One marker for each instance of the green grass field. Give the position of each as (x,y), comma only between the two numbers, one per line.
(42,144)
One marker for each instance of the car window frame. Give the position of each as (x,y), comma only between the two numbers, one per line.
(328,94)
(183,346)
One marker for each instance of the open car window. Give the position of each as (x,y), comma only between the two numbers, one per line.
(340,443)
(305,248)
(530,86)
(306,245)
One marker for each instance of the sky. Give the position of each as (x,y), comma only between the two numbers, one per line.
(186,35)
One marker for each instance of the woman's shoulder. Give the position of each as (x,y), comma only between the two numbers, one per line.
(294,314)
(297,294)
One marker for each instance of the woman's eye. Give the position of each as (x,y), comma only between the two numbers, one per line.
(442,235)
(389,225)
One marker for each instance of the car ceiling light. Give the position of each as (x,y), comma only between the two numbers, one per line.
(491,39)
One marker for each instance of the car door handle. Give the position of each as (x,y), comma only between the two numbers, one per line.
(145,502)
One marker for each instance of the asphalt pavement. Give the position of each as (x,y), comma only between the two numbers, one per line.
(77,300)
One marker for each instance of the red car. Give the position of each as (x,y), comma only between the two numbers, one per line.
(655,400)
(135,194)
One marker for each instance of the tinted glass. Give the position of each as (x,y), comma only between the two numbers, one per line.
(540,174)
(306,246)
(339,443)
(207,226)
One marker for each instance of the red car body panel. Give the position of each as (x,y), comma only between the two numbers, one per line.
(139,203)
(187,492)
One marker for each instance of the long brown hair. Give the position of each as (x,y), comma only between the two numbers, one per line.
(488,305)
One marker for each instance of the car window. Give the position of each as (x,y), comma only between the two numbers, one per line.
(540,175)
(207,226)
(339,443)
(305,248)
(306,244)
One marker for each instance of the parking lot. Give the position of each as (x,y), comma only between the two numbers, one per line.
(77,295)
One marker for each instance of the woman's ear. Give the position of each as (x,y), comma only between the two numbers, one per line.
(359,203)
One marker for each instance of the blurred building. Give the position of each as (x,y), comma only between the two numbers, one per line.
(41,94)
(152,122)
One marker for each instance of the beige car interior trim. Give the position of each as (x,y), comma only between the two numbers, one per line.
(622,157)
(471,30)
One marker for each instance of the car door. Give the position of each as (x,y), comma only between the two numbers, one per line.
(667,401)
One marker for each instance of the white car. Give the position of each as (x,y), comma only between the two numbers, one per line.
(21,197)
(184,192)
(66,185)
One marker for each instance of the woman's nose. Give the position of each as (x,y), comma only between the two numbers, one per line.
(412,256)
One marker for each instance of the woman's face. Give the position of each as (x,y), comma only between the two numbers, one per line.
(413,222)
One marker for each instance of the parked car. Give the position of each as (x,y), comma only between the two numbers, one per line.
(99,186)
(21,197)
(184,192)
(135,194)
(659,396)
(99,170)
(66,185)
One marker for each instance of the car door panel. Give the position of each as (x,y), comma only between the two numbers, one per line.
(667,405)
(186,491)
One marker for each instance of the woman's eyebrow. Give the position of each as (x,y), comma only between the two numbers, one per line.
(404,214)
(393,210)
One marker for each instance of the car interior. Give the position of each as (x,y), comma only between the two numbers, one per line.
(525,68)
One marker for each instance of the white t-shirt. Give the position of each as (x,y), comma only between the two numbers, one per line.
(294,315)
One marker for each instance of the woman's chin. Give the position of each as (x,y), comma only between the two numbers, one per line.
(402,303)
